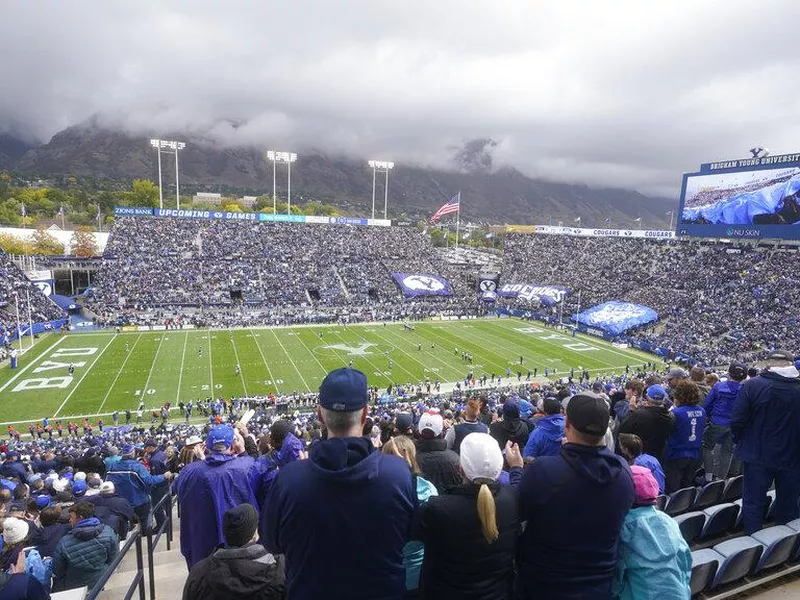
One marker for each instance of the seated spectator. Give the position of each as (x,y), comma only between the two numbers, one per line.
(470,532)
(652,422)
(471,424)
(53,529)
(682,457)
(437,463)
(414,551)
(630,446)
(82,555)
(546,439)
(242,568)
(653,561)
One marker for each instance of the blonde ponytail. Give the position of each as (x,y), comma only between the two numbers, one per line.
(487,514)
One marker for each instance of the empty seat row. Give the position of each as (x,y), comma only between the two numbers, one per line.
(692,498)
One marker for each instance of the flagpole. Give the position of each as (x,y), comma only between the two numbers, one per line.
(30,318)
(458,217)
(62,216)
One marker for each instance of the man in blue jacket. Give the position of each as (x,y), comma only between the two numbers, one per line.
(717,440)
(208,488)
(545,440)
(766,429)
(343,516)
(574,505)
(134,482)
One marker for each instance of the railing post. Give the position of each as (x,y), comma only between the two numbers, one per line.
(140,564)
(151,574)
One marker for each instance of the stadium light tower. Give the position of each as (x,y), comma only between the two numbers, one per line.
(173,147)
(288,158)
(382,166)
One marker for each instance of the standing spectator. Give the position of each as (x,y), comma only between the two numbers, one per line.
(766,429)
(682,457)
(208,488)
(116,504)
(675,376)
(16,584)
(53,529)
(698,376)
(654,561)
(630,446)
(717,439)
(574,505)
(240,569)
(12,467)
(471,424)
(355,543)
(470,533)
(134,482)
(511,427)
(81,556)
(652,422)
(437,463)
(546,439)
(633,393)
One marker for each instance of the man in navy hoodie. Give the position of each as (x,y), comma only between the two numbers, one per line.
(342,517)
(766,429)
(719,408)
(574,505)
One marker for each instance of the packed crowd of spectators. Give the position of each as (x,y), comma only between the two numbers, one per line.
(715,303)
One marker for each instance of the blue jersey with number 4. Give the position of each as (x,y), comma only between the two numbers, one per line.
(687,436)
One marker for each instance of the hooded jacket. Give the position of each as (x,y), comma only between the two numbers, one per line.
(459,562)
(245,573)
(265,468)
(21,586)
(206,490)
(654,561)
(514,429)
(545,440)
(720,400)
(81,556)
(342,518)
(766,421)
(574,505)
(653,424)
(439,465)
(133,481)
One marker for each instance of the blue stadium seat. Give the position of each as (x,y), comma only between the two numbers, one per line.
(779,543)
(691,525)
(719,519)
(704,567)
(709,494)
(661,502)
(680,501)
(733,489)
(741,555)
(795,525)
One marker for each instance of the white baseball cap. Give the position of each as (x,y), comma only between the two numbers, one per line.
(107,486)
(431,421)
(481,457)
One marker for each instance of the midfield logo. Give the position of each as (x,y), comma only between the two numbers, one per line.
(351,350)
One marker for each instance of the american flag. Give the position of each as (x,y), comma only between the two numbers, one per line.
(454,205)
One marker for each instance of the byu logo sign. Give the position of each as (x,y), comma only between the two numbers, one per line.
(488,285)
(423,282)
(350,350)
(45,286)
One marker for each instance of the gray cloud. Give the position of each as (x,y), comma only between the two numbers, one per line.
(614,93)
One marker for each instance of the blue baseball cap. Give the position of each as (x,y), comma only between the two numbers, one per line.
(79,488)
(343,390)
(656,393)
(220,435)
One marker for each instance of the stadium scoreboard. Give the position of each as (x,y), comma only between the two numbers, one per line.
(749,198)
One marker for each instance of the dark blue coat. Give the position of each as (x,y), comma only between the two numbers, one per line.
(206,490)
(574,505)
(342,518)
(720,400)
(14,468)
(21,587)
(766,421)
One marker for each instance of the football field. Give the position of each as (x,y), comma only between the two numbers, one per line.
(115,371)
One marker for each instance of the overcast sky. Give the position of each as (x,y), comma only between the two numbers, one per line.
(628,93)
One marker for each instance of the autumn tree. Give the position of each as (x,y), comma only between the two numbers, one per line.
(43,242)
(11,244)
(83,242)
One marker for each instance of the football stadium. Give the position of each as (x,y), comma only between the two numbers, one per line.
(486,369)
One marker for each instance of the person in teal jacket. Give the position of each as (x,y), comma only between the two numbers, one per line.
(653,561)
(414,551)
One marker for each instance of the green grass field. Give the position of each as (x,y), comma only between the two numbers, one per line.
(116,371)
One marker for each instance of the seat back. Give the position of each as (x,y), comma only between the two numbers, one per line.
(733,489)
(691,525)
(719,519)
(709,494)
(741,555)
(779,543)
(680,501)
(704,566)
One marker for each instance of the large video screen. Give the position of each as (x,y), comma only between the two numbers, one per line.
(747,198)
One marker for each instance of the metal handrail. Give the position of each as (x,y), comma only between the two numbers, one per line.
(134,539)
(153,537)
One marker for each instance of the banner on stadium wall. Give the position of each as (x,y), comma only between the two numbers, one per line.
(487,286)
(546,294)
(245,216)
(422,285)
(617,317)
(45,285)
(42,327)
(655,234)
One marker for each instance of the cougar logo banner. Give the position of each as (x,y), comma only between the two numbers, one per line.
(545,294)
(422,285)
(617,317)
(46,285)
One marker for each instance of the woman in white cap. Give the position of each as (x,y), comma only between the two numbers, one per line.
(470,532)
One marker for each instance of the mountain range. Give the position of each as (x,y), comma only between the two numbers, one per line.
(488,195)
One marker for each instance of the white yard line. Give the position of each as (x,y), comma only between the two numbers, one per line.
(289,356)
(266,364)
(241,374)
(122,368)
(77,385)
(180,373)
(22,371)
(153,366)
(210,365)
(313,355)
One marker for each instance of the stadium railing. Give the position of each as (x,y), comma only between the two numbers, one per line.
(154,536)
(134,541)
